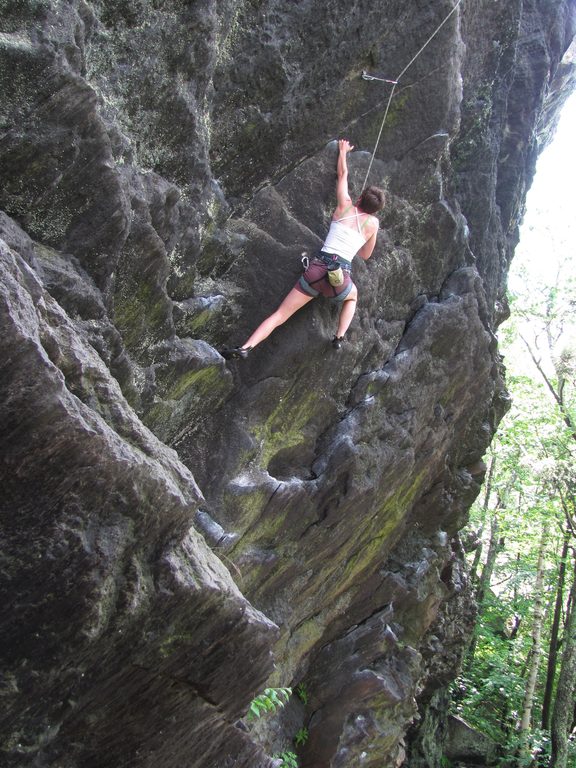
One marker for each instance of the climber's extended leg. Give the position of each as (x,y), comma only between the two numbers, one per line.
(294,301)
(346,315)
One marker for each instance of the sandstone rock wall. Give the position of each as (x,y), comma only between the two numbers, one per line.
(178,533)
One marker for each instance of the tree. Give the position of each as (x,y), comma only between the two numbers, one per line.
(536,649)
(552,354)
(554,634)
(530,506)
(564,704)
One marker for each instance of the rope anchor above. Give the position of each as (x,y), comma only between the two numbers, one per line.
(394,83)
(366,76)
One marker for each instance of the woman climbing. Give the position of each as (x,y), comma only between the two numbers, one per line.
(353,230)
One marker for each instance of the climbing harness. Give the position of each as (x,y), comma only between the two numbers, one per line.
(325,275)
(334,272)
(395,82)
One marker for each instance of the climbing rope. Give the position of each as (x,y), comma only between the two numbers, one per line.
(366,76)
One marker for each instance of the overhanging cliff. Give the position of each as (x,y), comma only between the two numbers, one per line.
(178,532)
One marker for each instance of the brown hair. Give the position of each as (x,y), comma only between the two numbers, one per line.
(372,199)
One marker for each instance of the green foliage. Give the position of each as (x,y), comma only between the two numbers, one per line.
(532,488)
(301,737)
(268,701)
(488,695)
(289,759)
(538,753)
(302,693)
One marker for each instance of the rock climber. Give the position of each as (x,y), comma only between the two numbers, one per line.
(352,232)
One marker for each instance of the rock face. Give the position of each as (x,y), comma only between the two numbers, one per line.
(178,533)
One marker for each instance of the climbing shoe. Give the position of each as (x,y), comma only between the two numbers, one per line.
(337,342)
(235,353)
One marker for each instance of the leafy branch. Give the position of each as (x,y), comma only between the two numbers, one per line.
(269,701)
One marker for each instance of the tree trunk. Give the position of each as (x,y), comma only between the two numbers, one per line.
(563,706)
(494,548)
(536,649)
(554,634)
(487,493)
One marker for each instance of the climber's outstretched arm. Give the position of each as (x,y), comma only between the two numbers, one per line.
(342,194)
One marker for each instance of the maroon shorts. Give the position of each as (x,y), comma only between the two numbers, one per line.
(314,282)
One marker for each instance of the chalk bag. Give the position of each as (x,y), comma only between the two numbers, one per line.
(335,275)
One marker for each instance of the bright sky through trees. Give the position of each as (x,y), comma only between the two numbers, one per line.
(546,253)
(548,232)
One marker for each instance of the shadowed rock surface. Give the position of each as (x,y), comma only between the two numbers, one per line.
(178,533)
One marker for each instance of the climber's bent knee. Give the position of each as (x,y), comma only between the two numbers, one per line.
(352,294)
(348,294)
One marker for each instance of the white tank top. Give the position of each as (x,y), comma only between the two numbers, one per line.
(344,241)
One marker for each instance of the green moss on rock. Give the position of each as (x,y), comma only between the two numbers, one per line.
(141,317)
(286,425)
(185,400)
